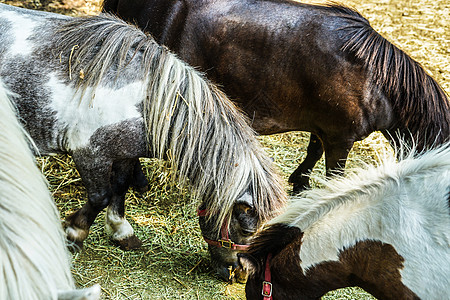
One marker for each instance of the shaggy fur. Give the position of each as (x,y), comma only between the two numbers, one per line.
(190,122)
(385,228)
(106,93)
(34,262)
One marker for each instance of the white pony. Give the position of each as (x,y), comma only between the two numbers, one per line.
(385,229)
(34,262)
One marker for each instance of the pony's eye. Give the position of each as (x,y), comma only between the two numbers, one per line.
(247,232)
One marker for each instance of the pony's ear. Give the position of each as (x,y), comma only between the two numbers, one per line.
(248,263)
(273,239)
(91,293)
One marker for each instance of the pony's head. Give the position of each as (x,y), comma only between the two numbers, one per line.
(273,263)
(235,233)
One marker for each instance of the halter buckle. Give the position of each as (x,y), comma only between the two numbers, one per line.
(267,289)
(227,244)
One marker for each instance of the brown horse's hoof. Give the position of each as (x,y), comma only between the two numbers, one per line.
(129,243)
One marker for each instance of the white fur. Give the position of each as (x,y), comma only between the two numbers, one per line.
(34,262)
(82,117)
(117,227)
(91,293)
(22,28)
(403,204)
(76,234)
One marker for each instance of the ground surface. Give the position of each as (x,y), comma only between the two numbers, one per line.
(173,262)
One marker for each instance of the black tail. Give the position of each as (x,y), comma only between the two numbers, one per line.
(110,6)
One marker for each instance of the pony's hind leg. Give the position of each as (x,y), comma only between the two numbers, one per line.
(336,154)
(139,182)
(300,177)
(117,227)
(95,172)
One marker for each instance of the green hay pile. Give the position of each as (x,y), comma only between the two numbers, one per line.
(173,262)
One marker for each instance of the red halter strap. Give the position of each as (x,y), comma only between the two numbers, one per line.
(267,285)
(225,241)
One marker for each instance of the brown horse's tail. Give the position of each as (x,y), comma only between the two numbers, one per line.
(420,103)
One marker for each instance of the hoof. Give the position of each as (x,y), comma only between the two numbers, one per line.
(296,189)
(129,243)
(300,185)
(75,237)
(74,247)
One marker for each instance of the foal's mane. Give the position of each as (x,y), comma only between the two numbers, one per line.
(189,121)
(362,184)
(421,104)
(34,261)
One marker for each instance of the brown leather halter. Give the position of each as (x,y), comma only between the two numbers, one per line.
(225,241)
(267,285)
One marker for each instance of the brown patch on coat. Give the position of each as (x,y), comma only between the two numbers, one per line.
(371,265)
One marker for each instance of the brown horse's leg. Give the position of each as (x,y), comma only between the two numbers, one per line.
(117,226)
(300,177)
(336,154)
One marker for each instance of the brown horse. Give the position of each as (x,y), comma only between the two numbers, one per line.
(293,66)
(385,229)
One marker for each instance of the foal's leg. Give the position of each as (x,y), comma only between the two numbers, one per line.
(117,226)
(95,172)
(300,177)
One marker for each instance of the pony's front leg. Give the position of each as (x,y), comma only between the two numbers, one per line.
(117,227)
(95,173)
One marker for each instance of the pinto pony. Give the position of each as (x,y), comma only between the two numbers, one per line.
(385,229)
(106,93)
(34,261)
(295,66)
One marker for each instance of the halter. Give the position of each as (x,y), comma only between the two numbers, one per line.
(267,285)
(225,241)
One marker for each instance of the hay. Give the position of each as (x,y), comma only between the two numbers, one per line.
(173,262)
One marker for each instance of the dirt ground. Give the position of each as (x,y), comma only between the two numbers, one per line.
(173,262)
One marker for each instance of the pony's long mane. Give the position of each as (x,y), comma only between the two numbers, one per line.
(34,261)
(420,103)
(312,205)
(190,122)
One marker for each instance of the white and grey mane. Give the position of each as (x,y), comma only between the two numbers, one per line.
(189,121)
(366,184)
(34,261)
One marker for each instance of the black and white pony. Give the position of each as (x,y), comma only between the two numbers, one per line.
(106,93)
(385,229)
(34,261)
